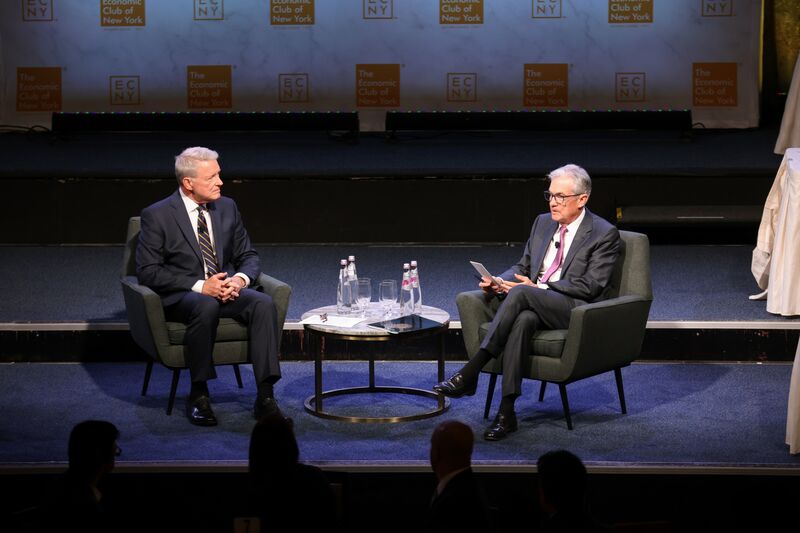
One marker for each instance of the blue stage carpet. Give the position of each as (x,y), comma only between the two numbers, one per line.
(712,415)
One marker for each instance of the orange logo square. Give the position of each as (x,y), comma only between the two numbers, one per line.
(546,85)
(209,9)
(38,88)
(293,87)
(714,84)
(546,9)
(462,87)
(127,13)
(460,11)
(37,10)
(209,86)
(630,87)
(291,12)
(630,11)
(378,9)
(717,8)
(123,90)
(378,85)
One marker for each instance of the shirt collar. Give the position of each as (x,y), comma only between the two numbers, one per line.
(191,205)
(572,227)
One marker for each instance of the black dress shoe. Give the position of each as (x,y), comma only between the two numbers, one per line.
(501,427)
(200,413)
(456,386)
(266,407)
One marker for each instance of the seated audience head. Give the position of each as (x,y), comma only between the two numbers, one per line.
(451,447)
(273,447)
(92,449)
(562,482)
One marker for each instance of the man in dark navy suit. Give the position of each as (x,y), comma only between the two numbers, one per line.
(459,502)
(195,253)
(568,261)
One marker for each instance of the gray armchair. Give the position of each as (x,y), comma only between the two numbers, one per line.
(164,341)
(602,336)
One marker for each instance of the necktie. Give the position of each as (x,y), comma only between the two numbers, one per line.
(558,258)
(206,248)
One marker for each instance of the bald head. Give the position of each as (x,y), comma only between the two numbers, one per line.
(451,447)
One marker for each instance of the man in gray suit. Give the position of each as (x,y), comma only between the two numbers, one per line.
(568,261)
(195,253)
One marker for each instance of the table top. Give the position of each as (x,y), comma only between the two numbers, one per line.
(374,314)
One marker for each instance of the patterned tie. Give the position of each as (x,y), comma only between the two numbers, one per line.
(207,249)
(559,256)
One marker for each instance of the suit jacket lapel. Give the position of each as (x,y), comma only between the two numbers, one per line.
(540,248)
(584,230)
(185,224)
(219,236)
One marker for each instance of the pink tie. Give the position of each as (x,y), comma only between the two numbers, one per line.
(559,256)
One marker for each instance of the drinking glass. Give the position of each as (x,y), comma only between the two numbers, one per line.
(388,295)
(364,294)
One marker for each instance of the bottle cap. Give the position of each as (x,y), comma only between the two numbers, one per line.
(351,258)
(405,265)
(343,262)
(413,263)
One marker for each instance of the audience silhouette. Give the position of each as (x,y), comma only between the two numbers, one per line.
(459,502)
(285,493)
(77,501)
(563,494)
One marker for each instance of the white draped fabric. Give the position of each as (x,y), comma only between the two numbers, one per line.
(793,415)
(789,134)
(776,258)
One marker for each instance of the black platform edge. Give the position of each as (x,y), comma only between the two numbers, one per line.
(210,121)
(583,120)
(763,342)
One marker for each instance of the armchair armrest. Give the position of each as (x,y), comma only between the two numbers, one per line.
(280,293)
(606,334)
(145,316)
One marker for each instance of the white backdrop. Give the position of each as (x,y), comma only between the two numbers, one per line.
(377,55)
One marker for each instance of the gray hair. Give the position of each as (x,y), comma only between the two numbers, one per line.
(186,161)
(582,183)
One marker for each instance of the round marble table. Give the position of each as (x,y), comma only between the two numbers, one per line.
(318,333)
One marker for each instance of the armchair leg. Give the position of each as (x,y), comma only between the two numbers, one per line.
(490,394)
(176,373)
(147,371)
(563,389)
(238,375)
(541,391)
(620,390)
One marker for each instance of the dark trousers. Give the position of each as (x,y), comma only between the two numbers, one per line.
(201,315)
(524,311)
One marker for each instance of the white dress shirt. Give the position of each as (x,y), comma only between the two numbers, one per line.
(191,209)
(552,250)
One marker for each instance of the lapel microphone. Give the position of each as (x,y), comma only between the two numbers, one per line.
(558,245)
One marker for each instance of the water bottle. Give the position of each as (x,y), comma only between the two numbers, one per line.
(352,280)
(406,294)
(351,268)
(416,290)
(344,292)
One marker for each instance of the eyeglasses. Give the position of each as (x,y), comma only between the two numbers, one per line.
(560,199)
